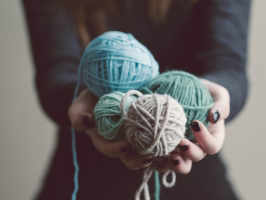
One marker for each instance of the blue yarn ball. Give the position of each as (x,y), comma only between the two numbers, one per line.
(116,61)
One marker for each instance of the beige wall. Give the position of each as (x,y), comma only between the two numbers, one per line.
(27,136)
(244,148)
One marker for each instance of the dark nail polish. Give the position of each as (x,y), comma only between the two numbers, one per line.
(148,161)
(195,126)
(175,162)
(124,149)
(183,148)
(216,116)
(86,122)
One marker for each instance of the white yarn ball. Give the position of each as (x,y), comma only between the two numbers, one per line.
(154,124)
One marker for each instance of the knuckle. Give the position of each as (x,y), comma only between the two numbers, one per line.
(106,152)
(223,90)
(186,171)
(196,158)
(213,150)
(183,170)
(130,166)
(192,155)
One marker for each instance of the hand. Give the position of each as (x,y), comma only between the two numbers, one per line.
(209,140)
(81,117)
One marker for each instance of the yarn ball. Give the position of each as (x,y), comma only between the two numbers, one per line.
(108,115)
(116,61)
(154,124)
(188,90)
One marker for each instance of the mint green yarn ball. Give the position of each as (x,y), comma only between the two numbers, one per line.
(188,90)
(108,115)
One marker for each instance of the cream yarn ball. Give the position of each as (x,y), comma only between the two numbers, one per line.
(154,124)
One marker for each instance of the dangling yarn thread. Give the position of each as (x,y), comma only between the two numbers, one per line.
(188,90)
(73,138)
(154,125)
(145,187)
(116,61)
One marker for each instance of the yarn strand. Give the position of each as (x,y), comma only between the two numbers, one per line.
(74,151)
(164,179)
(144,185)
(146,177)
(157,185)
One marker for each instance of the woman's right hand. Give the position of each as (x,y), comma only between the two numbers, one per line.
(81,116)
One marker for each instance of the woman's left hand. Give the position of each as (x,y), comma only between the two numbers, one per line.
(209,140)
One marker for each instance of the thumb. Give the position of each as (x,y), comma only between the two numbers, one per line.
(80,119)
(83,121)
(80,111)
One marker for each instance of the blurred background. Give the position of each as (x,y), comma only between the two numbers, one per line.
(27,135)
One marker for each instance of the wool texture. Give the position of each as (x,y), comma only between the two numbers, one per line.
(108,116)
(154,124)
(116,61)
(188,90)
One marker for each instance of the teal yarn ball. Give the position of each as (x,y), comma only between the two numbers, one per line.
(108,115)
(116,61)
(188,90)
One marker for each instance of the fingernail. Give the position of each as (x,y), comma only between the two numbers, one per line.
(86,121)
(175,162)
(124,149)
(195,126)
(216,116)
(183,148)
(148,161)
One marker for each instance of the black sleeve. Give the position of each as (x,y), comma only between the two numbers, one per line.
(224,48)
(57,51)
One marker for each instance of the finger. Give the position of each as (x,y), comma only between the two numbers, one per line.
(135,161)
(211,141)
(80,112)
(219,111)
(161,163)
(179,164)
(221,107)
(108,148)
(191,150)
(83,121)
